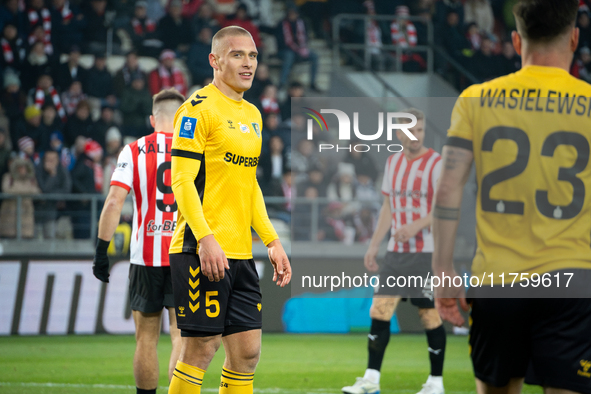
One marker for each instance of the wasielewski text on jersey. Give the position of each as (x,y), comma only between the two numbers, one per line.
(536,100)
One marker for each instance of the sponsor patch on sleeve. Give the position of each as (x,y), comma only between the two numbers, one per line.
(257,129)
(188,126)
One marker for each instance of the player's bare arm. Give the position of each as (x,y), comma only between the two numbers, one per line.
(382,228)
(448,198)
(111,212)
(281,265)
(108,222)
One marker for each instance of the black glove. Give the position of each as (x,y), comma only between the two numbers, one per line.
(100,265)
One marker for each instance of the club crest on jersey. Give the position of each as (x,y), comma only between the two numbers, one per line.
(256,128)
(188,126)
(244,128)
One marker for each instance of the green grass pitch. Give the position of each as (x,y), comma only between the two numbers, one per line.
(290,364)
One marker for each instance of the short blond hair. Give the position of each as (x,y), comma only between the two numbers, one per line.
(420,115)
(166,101)
(229,31)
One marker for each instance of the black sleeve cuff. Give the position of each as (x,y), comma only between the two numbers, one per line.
(187,154)
(459,143)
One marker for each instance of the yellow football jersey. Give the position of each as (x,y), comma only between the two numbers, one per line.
(530,133)
(223,136)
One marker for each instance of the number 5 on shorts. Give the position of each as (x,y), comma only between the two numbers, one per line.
(211,302)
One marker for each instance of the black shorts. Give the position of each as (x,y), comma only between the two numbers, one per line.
(150,288)
(547,341)
(407,265)
(223,307)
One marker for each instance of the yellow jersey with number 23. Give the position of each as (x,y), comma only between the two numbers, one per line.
(530,133)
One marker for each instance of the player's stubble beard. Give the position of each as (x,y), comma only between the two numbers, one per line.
(238,80)
(412,149)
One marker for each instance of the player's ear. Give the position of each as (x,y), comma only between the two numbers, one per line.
(574,39)
(516,38)
(213,61)
(152,121)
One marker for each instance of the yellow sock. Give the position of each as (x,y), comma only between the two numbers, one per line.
(236,382)
(186,379)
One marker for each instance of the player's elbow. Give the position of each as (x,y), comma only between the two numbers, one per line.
(179,185)
(175,185)
(114,202)
(176,182)
(447,191)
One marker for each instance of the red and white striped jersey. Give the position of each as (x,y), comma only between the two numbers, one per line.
(144,167)
(410,186)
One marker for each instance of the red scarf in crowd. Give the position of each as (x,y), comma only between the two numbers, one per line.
(138,26)
(405,39)
(45,15)
(175,80)
(98,176)
(40,100)
(270,105)
(66,12)
(7,51)
(299,47)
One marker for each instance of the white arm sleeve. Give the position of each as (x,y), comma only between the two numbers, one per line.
(123,174)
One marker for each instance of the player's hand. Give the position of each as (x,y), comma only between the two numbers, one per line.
(213,259)
(100,263)
(446,302)
(281,266)
(406,232)
(370,259)
(448,310)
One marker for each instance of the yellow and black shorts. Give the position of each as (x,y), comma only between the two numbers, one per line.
(205,308)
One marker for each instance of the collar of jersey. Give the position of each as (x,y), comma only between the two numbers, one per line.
(544,69)
(238,102)
(418,157)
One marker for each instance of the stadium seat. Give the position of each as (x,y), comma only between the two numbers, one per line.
(86,61)
(147,63)
(115,63)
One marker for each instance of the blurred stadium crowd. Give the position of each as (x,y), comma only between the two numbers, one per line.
(474,33)
(77,79)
